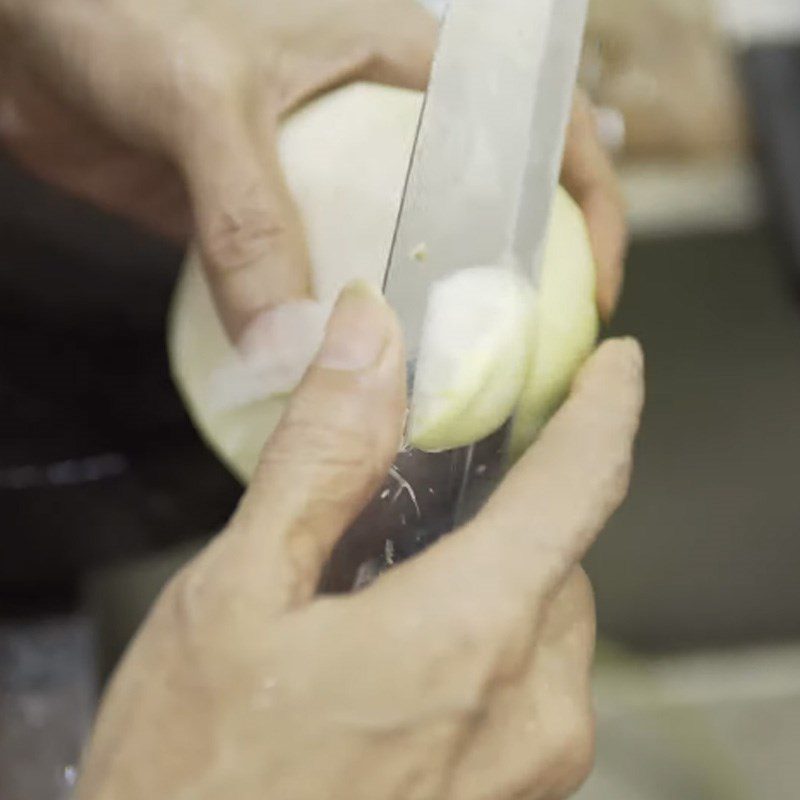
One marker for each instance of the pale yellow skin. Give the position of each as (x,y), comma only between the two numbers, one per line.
(567,322)
(349,214)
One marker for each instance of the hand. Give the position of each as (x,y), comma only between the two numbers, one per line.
(462,674)
(147,107)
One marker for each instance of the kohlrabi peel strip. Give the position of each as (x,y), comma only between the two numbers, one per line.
(492,349)
(474,356)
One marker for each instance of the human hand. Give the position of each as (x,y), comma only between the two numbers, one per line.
(150,107)
(463,673)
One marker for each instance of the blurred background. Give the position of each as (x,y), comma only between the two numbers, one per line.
(105,488)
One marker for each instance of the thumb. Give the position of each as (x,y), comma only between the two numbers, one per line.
(331,451)
(250,234)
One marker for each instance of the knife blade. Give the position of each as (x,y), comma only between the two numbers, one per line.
(479,191)
(487,156)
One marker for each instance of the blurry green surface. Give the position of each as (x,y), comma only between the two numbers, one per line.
(650,746)
(721,725)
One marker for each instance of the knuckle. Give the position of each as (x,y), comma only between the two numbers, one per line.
(243,230)
(494,640)
(200,90)
(330,445)
(456,666)
(512,627)
(193,595)
(203,72)
(176,612)
(337,463)
(206,607)
(183,598)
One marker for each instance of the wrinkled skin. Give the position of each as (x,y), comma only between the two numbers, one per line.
(167,111)
(462,674)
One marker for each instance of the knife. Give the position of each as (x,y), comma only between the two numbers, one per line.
(479,191)
(489,146)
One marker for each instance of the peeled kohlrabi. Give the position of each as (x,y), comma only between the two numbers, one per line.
(346,156)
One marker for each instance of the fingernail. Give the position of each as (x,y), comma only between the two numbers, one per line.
(356,333)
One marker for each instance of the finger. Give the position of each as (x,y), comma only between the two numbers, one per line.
(250,233)
(589,176)
(404,36)
(538,728)
(537,526)
(67,149)
(330,453)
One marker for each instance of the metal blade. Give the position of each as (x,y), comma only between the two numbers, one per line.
(489,147)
